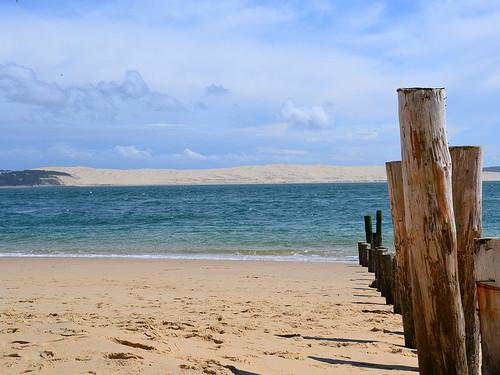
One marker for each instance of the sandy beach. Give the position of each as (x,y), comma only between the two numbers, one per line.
(129,316)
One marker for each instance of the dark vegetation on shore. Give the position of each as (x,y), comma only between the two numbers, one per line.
(31,178)
(492,169)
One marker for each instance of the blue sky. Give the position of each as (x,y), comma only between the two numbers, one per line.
(199,84)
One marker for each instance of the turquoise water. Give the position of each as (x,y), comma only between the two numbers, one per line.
(302,222)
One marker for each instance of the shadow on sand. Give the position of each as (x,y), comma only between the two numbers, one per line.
(378,366)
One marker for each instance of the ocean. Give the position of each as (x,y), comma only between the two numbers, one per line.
(305,222)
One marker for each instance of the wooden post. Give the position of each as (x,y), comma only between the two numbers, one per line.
(379,229)
(404,272)
(432,238)
(378,266)
(487,268)
(371,260)
(467,205)
(359,252)
(395,286)
(364,254)
(387,279)
(368,229)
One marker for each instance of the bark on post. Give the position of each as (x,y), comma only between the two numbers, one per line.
(432,238)
(487,267)
(467,205)
(404,272)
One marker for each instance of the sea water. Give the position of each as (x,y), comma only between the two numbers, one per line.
(321,222)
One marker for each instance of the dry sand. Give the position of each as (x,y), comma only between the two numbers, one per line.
(119,316)
(265,174)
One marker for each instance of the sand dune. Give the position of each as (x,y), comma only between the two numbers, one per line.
(276,173)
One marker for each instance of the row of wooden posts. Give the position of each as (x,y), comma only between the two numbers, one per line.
(442,272)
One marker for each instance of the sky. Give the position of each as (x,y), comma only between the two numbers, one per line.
(204,84)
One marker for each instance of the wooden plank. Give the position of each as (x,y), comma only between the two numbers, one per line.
(404,271)
(487,268)
(395,286)
(430,226)
(467,205)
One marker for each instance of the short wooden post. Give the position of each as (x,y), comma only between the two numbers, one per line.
(371,259)
(487,268)
(359,252)
(395,286)
(387,279)
(379,229)
(368,229)
(467,205)
(404,272)
(430,225)
(364,254)
(378,265)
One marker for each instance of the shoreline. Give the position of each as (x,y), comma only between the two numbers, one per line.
(74,315)
(266,258)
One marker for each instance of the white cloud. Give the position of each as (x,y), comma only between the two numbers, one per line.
(190,154)
(132,152)
(314,117)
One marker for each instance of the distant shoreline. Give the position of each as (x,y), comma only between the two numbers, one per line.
(246,175)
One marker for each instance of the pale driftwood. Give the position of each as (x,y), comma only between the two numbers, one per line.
(467,205)
(403,274)
(430,226)
(487,268)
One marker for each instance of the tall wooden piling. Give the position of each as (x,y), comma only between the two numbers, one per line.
(404,272)
(487,269)
(467,205)
(430,226)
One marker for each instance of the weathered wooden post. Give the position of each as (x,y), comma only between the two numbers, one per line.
(371,259)
(430,226)
(378,227)
(395,286)
(467,205)
(364,254)
(368,229)
(360,243)
(487,268)
(404,273)
(387,279)
(378,266)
